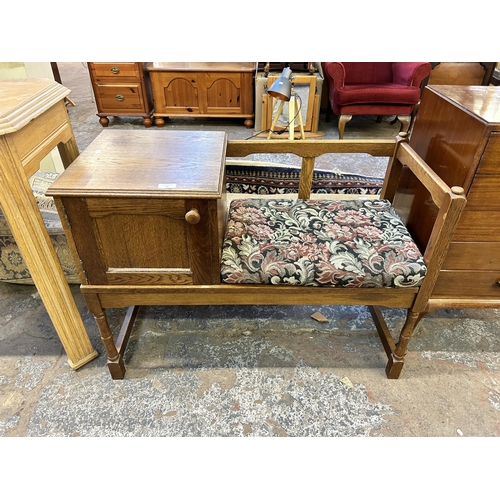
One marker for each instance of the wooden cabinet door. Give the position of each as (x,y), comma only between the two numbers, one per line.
(130,241)
(176,93)
(202,93)
(223,93)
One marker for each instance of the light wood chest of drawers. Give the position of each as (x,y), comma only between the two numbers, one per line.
(457,132)
(121,89)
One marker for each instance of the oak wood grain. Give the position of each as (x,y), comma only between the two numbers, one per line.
(33,121)
(152,163)
(164,249)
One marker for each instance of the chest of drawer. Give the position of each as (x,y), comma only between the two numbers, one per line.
(482,256)
(119,97)
(468,284)
(490,161)
(115,70)
(478,225)
(484,193)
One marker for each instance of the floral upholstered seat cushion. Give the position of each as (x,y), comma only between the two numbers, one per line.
(346,243)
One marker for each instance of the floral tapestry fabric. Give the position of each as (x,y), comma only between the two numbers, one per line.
(345,243)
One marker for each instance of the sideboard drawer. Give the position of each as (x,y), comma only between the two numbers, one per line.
(116,70)
(468,283)
(119,98)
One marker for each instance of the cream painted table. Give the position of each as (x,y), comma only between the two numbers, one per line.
(33,121)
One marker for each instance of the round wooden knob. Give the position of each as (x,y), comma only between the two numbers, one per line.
(192,217)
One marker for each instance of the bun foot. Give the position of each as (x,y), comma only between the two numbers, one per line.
(104,121)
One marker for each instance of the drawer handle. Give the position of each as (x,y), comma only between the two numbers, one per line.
(119,97)
(115,70)
(193,216)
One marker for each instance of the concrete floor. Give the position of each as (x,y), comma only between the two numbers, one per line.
(246,371)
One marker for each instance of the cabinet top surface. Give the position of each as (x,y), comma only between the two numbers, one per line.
(23,99)
(147,163)
(483,101)
(202,66)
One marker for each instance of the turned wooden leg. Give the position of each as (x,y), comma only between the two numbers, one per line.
(104,121)
(396,360)
(248,123)
(159,121)
(115,359)
(343,119)
(405,122)
(147,122)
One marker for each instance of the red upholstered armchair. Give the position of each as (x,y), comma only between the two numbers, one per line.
(374,88)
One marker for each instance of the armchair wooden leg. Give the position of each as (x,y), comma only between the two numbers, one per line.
(405,122)
(343,119)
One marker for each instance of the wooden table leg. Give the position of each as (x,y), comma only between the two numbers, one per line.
(68,151)
(26,223)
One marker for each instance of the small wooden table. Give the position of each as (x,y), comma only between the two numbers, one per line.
(33,121)
(142,208)
(224,90)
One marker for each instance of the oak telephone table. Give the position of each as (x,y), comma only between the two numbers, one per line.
(144,214)
(33,121)
(142,208)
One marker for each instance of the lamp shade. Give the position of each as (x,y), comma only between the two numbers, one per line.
(282,88)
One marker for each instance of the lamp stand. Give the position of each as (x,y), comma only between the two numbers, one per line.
(292,106)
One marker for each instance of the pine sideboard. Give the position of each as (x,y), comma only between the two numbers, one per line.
(211,90)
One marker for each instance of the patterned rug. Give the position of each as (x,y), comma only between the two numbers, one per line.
(268,180)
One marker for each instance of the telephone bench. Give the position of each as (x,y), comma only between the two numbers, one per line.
(148,222)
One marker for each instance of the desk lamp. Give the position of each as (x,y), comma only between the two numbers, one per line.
(282,90)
